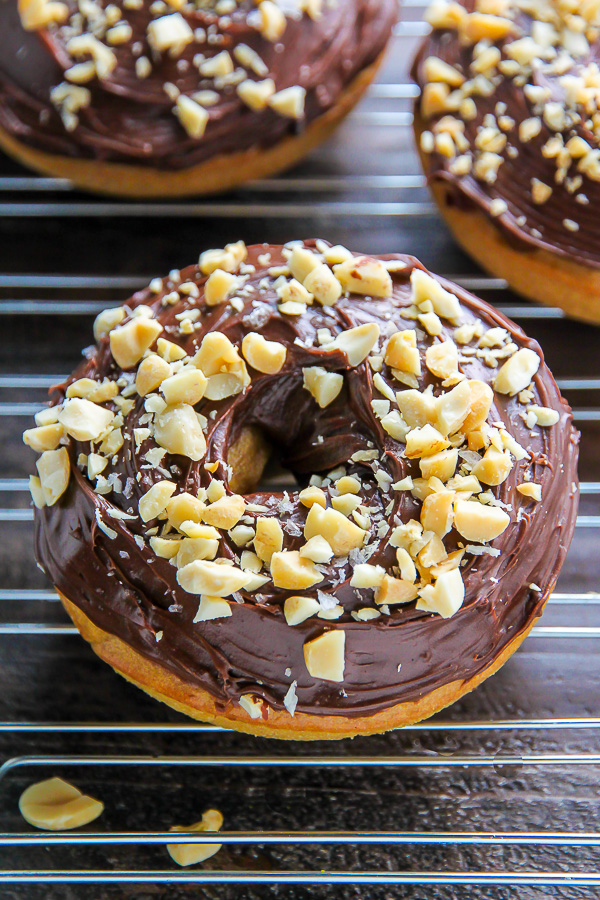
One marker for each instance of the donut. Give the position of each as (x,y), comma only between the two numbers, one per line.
(180,97)
(436,492)
(508,125)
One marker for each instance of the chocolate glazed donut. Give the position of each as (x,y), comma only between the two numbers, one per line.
(508,127)
(437,493)
(145,104)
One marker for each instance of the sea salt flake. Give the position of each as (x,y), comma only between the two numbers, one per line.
(290,701)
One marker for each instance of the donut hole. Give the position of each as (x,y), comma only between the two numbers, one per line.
(279,437)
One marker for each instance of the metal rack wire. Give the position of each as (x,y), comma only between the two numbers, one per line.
(500,793)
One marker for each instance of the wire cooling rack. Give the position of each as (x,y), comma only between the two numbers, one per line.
(498,797)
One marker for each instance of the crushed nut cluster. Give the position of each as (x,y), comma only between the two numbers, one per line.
(101,40)
(541,54)
(223,547)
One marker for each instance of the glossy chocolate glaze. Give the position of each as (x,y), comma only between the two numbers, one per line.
(131,593)
(132,120)
(542,226)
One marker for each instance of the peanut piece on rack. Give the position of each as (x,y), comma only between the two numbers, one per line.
(211,578)
(517,372)
(299,609)
(56,805)
(290,571)
(178,431)
(264,356)
(477,522)
(54,469)
(364,275)
(325,656)
(190,854)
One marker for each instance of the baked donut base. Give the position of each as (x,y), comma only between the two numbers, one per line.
(197,703)
(537,274)
(218,174)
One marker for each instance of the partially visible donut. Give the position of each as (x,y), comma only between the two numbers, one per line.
(149,99)
(437,493)
(508,125)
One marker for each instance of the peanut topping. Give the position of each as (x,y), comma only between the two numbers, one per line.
(211,578)
(155,500)
(269,538)
(290,571)
(264,356)
(341,534)
(476,522)
(129,342)
(325,656)
(364,275)
(323,385)
(178,430)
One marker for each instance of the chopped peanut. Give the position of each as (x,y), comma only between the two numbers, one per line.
(290,571)
(325,656)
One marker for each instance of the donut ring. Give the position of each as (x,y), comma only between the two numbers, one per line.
(510,146)
(130,111)
(411,561)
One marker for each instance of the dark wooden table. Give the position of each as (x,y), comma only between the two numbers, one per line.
(519,756)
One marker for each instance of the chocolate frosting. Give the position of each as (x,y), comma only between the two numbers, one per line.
(131,119)
(525,224)
(126,590)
